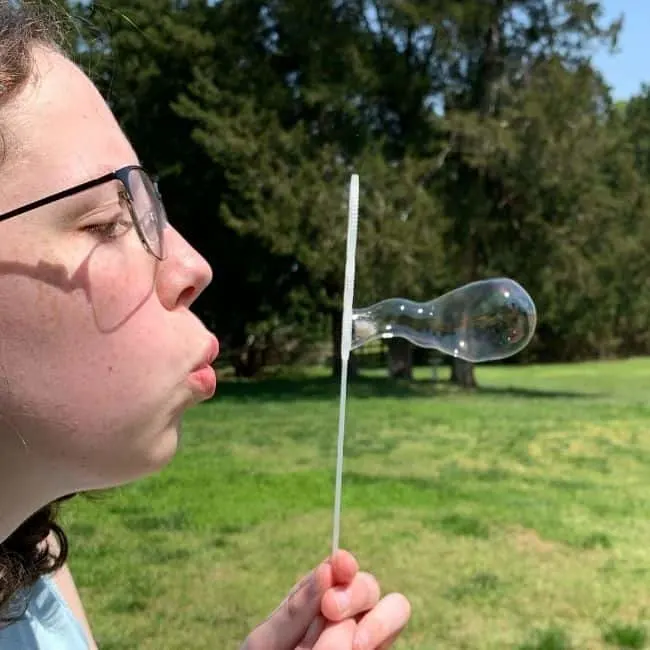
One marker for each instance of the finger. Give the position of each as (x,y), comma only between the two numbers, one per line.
(284,628)
(337,636)
(389,642)
(344,567)
(313,634)
(346,602)
(379,628)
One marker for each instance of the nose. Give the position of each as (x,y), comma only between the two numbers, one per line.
(183,274)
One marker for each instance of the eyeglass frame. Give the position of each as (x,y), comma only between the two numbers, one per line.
(122,176)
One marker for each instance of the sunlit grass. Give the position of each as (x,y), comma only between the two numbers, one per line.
(516,517)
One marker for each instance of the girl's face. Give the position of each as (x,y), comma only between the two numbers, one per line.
(98,347)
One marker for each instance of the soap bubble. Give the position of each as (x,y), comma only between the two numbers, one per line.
(481,321)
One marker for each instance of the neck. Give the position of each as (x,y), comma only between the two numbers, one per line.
(26,483)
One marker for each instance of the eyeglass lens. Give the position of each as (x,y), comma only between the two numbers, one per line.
(149,210)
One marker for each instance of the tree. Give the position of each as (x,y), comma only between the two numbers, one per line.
(445,74)
(486,143)
(499,45)
(293,198)
(287,149)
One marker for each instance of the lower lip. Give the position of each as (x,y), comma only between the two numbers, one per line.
(205,379)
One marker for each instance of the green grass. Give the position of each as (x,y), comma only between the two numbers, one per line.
(516,517)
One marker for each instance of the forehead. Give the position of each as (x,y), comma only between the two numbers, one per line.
(58,132)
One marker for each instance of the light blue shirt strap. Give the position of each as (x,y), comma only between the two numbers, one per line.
(47,624)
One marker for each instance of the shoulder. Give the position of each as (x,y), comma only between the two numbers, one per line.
(47,622)
(70,595)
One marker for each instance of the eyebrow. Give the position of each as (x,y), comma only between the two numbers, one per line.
(78,207)
(51,198)
(97,208)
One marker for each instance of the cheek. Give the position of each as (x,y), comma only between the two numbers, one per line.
(117,287)
(79,339)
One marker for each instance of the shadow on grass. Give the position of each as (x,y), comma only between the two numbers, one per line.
(626,635)
(553,638)
(295,388)
(511,391)
(477,586)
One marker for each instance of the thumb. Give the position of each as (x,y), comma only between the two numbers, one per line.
(287,625)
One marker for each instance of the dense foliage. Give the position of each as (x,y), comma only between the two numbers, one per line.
(487,143)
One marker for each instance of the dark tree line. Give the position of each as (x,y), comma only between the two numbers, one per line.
(486,141)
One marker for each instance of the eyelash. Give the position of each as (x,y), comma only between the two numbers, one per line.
(108,231)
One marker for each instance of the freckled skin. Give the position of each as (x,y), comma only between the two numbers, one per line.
(97,338)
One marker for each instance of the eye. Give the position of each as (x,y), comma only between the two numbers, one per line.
(110,229)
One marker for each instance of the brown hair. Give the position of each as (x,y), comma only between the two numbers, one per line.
(21,25)
(26,554)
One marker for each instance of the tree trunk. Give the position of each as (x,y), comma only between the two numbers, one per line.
(400,359)
(485,102)
(250,358)
(462,374)
(353,368)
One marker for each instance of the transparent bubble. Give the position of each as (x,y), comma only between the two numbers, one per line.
(481,321)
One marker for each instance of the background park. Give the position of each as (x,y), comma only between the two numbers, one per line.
(511,501)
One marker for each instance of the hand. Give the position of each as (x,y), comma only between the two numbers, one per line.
(312,617)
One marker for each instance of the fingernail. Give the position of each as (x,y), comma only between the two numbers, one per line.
(360,641)
(343,601)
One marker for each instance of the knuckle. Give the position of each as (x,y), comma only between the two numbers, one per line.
(293,605)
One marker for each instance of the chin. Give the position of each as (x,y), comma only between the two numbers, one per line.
(164,448)
(143,461)
(135,457)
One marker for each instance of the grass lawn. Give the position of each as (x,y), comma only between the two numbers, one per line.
(517,517)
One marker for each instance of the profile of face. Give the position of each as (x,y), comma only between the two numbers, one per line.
(99,350)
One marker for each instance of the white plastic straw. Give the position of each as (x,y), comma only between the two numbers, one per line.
(346,343)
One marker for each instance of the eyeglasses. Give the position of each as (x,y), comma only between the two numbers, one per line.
(141,195)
